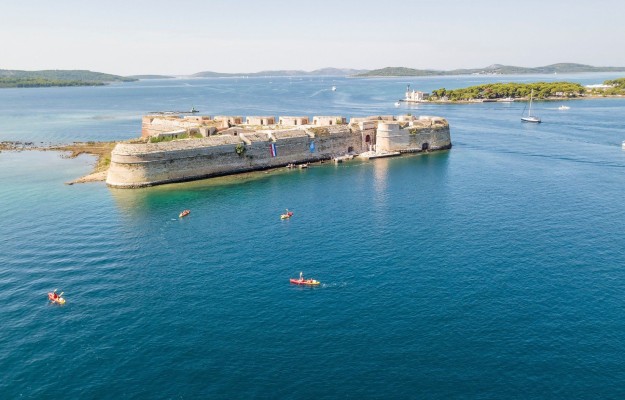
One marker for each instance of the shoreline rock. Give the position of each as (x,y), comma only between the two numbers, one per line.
(101,150)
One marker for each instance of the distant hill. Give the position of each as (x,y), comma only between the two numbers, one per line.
(495,69)
(67,75)
(56,77)
(135,77)
(317,72)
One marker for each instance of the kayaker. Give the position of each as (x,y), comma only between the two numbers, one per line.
(55,295)
(301,276)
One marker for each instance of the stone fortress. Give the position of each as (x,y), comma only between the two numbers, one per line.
(183,148)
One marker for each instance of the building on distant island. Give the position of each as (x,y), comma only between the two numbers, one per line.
(599,86)
(415,96)
(178,148)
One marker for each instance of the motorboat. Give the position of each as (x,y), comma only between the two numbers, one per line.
(184,213)
(563,107)
(397,104)
(334,88)
(506,100)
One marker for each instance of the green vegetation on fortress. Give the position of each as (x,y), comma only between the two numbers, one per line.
(21,79)
(542,90)
(495,69)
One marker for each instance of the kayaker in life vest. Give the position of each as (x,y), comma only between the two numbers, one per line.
(55,295)
(301,276)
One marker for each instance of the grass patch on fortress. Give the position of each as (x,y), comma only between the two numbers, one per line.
(160,139)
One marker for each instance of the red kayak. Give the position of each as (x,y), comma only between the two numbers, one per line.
(306,282)
(53,297)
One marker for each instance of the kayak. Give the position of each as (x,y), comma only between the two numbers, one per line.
(55,298)
(306,282)
(184,213)
(287,215)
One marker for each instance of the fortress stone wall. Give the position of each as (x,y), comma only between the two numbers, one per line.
(245,148)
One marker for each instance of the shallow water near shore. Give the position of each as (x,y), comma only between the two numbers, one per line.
(493,270)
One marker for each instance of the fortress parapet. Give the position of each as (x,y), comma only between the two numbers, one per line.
(229,147)
(227,121)
(293,121)
(325,120)
(159,125)
(262,121)
(355,120)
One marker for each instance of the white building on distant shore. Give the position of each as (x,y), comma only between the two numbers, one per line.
(599,86)
(415,96)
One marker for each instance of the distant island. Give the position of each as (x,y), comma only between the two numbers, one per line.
(495,69)
(317,72)
(46,78)
(150,77)
(512,91)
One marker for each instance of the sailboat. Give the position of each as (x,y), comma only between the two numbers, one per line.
(530,117)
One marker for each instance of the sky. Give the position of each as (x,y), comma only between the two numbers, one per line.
(188,36)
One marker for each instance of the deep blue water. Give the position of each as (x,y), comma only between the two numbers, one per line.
(494,270)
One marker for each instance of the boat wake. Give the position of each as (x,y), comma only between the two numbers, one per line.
(318,92)
(334,285)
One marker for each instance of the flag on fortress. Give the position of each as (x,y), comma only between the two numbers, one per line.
(273,150)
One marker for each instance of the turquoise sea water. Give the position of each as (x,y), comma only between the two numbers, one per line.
(493,270)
